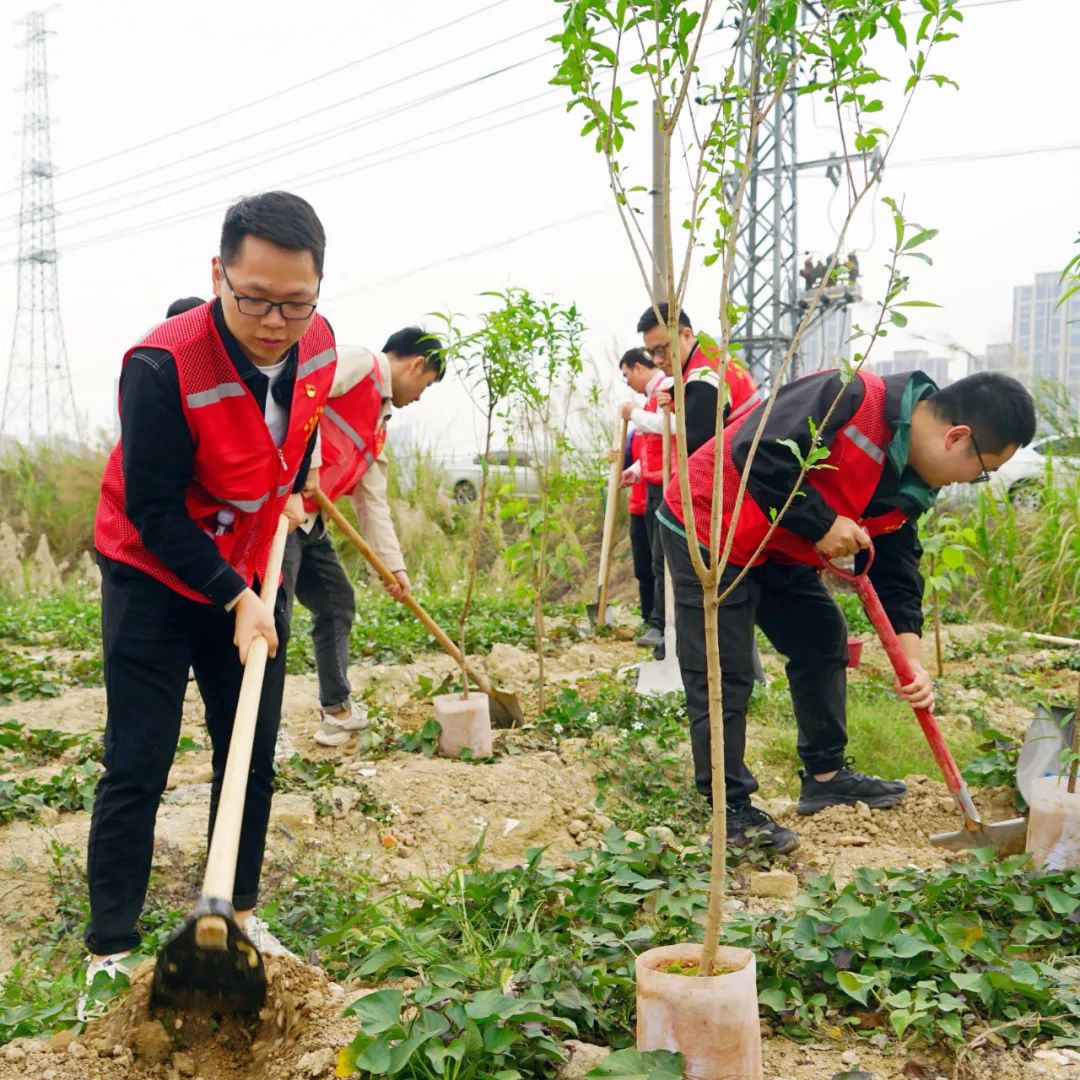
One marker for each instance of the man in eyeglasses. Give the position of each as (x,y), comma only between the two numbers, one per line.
(701,379)
(349,460)
(891,444)
(219,407)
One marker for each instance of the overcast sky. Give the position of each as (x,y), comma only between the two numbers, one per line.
(422,215)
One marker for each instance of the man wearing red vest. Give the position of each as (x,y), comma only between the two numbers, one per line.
(893,442)
(218,412)
(349,460)
(702,384)
(639,372)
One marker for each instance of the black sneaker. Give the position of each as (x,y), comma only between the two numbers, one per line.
(650,639)
(749,828)
(659,651)
(847,788)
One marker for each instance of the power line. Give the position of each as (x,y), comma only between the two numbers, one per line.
(275,94)
(277,127)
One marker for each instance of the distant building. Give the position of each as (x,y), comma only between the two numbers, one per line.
(1046,337)
(1002,357)
(937,367)
(825,341)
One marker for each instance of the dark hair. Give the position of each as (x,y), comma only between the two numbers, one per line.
(636,358)
(186,303)
(278,216)
(997,408)
(414,341)
(648,319)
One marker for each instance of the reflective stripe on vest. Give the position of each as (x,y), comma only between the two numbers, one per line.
(864,444)
(320,360)
(347,429)
(214,394)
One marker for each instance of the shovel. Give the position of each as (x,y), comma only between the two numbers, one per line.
(598,612)
(1005,837)
(505,707)
(658,677)
(208,964)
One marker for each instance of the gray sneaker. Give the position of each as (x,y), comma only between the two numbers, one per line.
(337,729)
(650,639)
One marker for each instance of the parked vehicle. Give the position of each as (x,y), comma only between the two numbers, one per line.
(1023,478)
(505,467)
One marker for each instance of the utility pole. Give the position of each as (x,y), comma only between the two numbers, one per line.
(39,400)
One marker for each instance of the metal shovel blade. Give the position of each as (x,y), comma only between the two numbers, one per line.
(1005,837)
(505,709)
(209,965)
(658,677)
(593,611)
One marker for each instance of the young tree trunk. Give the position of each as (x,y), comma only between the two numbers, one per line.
(718,871)
(538,627)
(937,634)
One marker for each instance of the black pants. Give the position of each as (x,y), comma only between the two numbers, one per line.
(804,624)
(642,554)
(653,498)
(151,636)
(314,576)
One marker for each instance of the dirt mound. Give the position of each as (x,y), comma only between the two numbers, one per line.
(842,838)
(297,1034)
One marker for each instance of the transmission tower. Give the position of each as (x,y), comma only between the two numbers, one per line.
(39,400)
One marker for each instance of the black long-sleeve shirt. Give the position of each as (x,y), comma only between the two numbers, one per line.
(159,460)
(895,570)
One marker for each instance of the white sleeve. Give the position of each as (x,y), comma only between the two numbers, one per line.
(649,423)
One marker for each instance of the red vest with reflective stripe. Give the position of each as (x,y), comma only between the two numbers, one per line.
(635,503)
(857,456)
(237,468)
(743,395)
(352,435)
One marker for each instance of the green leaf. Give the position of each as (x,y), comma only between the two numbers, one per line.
(640,1065)
(855,985)
(377,1012)
(1061,903)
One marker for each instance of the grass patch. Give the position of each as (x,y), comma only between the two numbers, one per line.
(884,736)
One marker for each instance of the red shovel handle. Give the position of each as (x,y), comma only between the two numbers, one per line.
(871,603)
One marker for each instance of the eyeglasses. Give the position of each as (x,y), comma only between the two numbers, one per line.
(257,309)
(659,352)
(983,476)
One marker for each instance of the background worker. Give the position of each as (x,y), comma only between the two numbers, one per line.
(893,442)
(350,460)
(218,412)
(701,381)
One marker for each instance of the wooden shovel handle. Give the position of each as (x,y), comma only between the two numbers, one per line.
(609,525)
(361,545)
(225,844)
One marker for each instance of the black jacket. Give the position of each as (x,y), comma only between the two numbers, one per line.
(895,571)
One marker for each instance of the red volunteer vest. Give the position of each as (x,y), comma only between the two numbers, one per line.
(237,467)
(857,455)
(743,395)
(352,436)
(635,502)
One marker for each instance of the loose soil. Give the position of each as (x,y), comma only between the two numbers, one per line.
(428,814)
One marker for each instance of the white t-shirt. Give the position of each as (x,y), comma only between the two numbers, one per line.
(277,418)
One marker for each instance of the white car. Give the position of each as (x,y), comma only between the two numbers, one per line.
(1022,478)
(504,467)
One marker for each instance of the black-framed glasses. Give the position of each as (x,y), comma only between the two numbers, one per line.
(257,309)
(660,351)
(983,476)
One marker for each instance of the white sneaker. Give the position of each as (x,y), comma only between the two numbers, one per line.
(259,935)
(85,1009)
(337,728)
(284,748)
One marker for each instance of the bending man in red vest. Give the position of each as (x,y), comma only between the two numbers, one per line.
(349,460)
(702,382)
(218,413)
(893,442)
